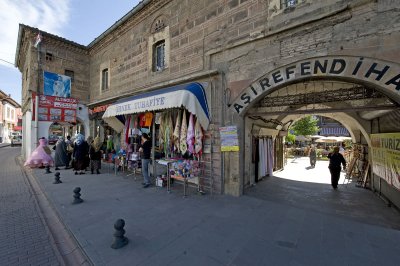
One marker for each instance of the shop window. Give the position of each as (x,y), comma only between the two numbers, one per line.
(159,56)
(49,56)
(70,74)
(288,3)
(104,80)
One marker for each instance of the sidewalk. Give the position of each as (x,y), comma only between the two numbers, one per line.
(263,227)
(4,145)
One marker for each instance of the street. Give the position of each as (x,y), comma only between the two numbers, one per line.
(24,239)
(282,220)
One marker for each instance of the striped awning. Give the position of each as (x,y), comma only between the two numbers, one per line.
(334,131)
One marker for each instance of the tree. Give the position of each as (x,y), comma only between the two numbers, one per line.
(305,126)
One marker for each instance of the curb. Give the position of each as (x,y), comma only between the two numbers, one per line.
(67,248)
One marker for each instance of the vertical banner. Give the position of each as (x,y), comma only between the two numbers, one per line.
(386,157)
(56,85)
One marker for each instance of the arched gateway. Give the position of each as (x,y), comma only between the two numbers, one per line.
(355,79)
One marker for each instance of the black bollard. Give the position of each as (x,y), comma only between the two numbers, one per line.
(47,169)
(119,239)
(77,196)
(57,178)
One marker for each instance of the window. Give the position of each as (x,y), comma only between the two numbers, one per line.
(8,112)
(12,114)
(159,56)
(26,74)
(288,3)
(49,57)
(70,74)
(104,79)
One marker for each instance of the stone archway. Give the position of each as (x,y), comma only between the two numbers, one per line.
(378,74)
(383,75)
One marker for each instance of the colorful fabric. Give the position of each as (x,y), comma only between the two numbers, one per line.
(127,127)
(183,145)
(79,138)
(39,157)
(161,134)
(177,132)
(198,145)
(97,144)
(148,118)
(190,135)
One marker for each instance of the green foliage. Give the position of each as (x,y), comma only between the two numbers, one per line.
(290,138)
(305,126)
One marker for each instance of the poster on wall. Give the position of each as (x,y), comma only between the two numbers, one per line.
(229,138)
(386,157)
(56,109)
(56,85)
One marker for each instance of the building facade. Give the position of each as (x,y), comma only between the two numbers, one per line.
(10,112)
(264,65)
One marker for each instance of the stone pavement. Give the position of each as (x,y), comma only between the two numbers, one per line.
(277,222)
(24,238)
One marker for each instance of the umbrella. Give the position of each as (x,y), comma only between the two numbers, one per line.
(328,140)
(301,138)
(316,136)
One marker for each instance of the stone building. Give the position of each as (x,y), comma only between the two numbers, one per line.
(264,63)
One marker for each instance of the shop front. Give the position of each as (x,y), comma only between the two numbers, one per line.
(176,119)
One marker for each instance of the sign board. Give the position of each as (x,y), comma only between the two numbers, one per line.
(56,109)
(56,85)
(229,138)
(386,157)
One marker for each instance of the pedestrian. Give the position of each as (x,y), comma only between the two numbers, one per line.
(60,157)
(145,149)
(80,154)
(70,149)
(41,156)
(335,162)
(313,156)
(95,155)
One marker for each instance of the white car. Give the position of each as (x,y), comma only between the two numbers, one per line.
(16,140)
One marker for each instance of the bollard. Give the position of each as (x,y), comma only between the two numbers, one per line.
(57,178)
(119,239)
(77,196)
(47,169)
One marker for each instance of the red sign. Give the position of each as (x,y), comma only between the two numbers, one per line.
(56,109)
(99,109)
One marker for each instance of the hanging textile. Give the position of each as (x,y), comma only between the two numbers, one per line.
(168,134)
(270,156)
(161,134)
(190,135)
(198,132)
(261,165)
(177,132)
(183,145)
(127,130)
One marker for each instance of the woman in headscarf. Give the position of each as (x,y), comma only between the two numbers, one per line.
(80,154)
(60,157)
(95,155)
(41,156)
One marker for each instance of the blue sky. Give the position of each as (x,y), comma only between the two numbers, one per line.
(80,21)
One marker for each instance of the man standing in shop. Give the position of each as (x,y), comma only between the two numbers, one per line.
(145,149)
(335,160)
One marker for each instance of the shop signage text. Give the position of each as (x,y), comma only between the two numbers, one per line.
(141,104)
(384,74)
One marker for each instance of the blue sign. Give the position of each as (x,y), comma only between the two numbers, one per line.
(57,85)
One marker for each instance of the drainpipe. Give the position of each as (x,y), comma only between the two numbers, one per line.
(37,97)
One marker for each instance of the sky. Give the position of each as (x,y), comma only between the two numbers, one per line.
(80,21)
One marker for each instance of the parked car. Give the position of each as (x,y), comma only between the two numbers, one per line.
(52,139)
(16,140)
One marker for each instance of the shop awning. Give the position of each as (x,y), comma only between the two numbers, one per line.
(191,96)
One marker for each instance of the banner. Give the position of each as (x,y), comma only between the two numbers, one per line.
(229,138)
(386,157)
(55,109)
(56,85)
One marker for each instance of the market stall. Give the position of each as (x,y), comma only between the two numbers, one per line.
(175,117)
